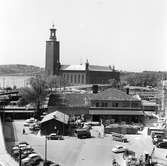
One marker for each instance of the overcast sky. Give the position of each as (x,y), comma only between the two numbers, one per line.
(130,34)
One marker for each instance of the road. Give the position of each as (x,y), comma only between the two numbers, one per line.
(87,152)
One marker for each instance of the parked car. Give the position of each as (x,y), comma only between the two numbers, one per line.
(154,133)
(90,124)
(34,127)
(162,145)
(54,136)
(30,121)
(21,145)
(50,163)
(32,159)
(119,137)
(82,133)
(119,149)
(131,160)
(24,152)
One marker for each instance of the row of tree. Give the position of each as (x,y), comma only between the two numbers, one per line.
(146,78)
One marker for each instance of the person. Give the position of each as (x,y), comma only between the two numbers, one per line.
(24,131)
(114,163)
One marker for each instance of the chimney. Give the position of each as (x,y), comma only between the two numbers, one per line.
(127,91)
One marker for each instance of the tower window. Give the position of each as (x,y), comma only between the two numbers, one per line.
(79,78)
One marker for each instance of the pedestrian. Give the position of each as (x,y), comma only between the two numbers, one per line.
(114,163)
(24,131)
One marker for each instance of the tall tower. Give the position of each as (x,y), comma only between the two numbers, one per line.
(52,65)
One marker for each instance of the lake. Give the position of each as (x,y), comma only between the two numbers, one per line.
(10,81)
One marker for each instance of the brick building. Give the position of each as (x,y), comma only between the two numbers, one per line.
(75,74)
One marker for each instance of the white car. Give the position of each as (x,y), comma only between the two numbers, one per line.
(119,149)
(30,121)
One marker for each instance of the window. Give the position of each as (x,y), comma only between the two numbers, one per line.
(75,78)
(134,105)
(115,104)
(67,77)
(97,104)
(71,78)
(102,104)
(83,78)
(105,104)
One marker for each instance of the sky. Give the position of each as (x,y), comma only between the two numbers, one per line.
(129,34)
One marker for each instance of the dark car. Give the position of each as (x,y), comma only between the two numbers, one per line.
(162,145)
(83,133)
(119,137)
(158,138)
(54,136)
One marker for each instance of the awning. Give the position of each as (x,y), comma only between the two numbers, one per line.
(112,112)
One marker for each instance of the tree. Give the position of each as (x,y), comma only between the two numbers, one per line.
(114,83)
(56,82)
(53,82)
(35,94)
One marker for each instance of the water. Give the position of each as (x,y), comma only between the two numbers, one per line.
(11,81)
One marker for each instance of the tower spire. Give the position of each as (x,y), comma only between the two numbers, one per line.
(53,32)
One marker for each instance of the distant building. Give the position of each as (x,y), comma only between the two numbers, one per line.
(75,74)
(145,93)
(150,106)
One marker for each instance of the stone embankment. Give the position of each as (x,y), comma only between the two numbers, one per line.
(5,158)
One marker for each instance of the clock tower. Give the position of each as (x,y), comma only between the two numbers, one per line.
(52,66)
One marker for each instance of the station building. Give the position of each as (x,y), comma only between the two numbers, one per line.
(110,104)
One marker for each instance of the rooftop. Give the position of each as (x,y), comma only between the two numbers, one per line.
(82,68)
(57,115)
(113,94)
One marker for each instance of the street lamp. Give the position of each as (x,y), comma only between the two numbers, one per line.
(45,161)
(19,156)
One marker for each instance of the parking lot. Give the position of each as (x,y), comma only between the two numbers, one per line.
(89,152)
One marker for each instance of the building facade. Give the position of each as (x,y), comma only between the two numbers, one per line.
(75,74)
(106,105)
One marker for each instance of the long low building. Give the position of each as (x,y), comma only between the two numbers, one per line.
(108,104)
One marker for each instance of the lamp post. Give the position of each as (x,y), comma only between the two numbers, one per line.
(19,156)
(45,161)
